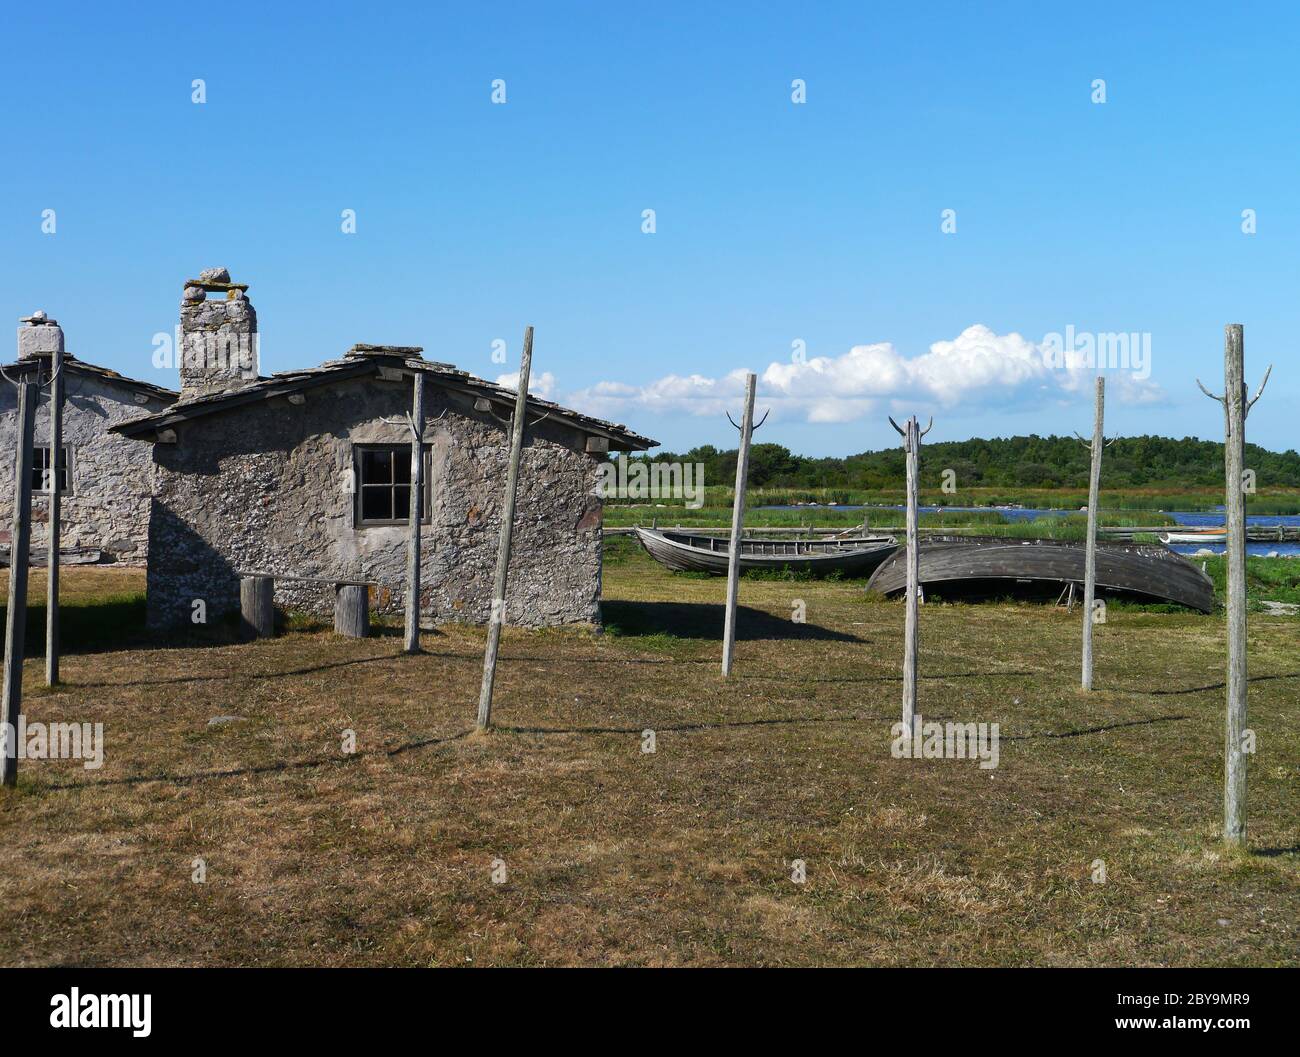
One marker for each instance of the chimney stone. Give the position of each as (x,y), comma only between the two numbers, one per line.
(219,343)
(39,336)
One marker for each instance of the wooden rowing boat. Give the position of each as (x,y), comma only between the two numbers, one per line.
(986,565)
(688,552)
(1206,535)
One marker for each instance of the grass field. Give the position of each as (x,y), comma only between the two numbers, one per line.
(613,856)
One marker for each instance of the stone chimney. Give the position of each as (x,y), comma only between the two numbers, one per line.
(39,336)
(219,348)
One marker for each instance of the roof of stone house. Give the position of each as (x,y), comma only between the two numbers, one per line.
(363,360)
(72,363)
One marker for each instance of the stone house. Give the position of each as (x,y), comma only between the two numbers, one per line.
(307,474)
(105,479)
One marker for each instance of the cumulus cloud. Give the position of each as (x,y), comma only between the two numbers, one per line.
(539,385)
(976,369)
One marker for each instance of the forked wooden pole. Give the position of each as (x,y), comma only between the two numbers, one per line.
(19,558)
(737,525)
(507,530)
(412,644)
(911,435)
(1090,554)
(1236,407)
(55,535)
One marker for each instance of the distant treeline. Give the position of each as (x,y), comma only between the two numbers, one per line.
(1028,462)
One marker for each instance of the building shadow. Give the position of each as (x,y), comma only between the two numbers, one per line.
(704,620)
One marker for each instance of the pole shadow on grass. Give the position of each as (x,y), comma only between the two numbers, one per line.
(220,676)
(282,767)
(286,766)
(1220,685)
(704,620)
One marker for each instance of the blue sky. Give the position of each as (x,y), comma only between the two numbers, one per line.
(776,223)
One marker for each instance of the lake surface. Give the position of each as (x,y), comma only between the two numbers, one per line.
(1193,519)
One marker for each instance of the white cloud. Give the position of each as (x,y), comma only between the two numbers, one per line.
(542,385)
(976,369)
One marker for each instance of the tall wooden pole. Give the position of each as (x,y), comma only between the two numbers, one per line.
(52,487)
(416,513)
(1236,407)
(737,526)
(1090,558)
(912,620)
(911,435)
(19,558)
(1234,461)
(507,530)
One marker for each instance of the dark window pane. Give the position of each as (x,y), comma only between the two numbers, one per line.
(377,504)
(402,503)
(40,460)
(402,467)
(376,467)
(41,464)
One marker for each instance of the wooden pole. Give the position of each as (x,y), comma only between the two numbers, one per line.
(19,558)
(55,535)
(911,435)
(1090,558)
(507,530)
(416,512)
(912,619)
(1234,455)
(737,525)
(1236,407)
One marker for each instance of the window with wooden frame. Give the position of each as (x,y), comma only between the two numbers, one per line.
(41,470)
(383,485)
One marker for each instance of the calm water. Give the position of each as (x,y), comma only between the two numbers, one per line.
(1193,519)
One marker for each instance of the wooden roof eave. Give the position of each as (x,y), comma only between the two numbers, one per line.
(75,364)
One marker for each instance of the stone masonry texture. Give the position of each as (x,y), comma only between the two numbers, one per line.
(264,487)
(112,477)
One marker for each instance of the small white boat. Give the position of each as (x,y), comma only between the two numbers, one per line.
(1208,535)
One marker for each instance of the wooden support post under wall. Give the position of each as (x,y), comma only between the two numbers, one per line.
(911,446)
(352,610)
(55,535)
(1090,553)
(1235,409)
(737,526)
(417,513)
(507,530)
(257,607)
(19,559)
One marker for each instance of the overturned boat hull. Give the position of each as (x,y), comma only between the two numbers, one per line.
(984,565)
(688,552)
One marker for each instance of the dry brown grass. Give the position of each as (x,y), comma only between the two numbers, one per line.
(678,858)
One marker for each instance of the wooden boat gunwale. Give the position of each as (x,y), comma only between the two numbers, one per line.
(686,552)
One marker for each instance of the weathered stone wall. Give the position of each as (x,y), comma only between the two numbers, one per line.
(112,477)
(262,488)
